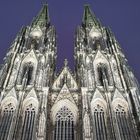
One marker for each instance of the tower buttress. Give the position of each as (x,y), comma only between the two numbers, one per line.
(29,68)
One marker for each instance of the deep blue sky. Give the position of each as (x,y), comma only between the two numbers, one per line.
(122,16)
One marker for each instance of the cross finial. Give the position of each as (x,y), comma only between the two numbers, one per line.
(65,62)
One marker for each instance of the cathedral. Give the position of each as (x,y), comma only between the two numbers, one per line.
(98,100)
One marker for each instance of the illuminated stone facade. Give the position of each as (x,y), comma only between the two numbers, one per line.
(100,100)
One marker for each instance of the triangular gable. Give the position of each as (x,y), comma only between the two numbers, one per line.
(10,98)
(11,93)
(65,74)
(119,100)
(100,56)
(118,94)
(95,32)
(98,99)
(30,57)
(31,94)
(97,94)
(64,94)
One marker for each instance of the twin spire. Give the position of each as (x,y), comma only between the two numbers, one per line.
(89,19)
(44,19)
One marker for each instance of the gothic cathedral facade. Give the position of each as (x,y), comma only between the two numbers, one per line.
(100,100)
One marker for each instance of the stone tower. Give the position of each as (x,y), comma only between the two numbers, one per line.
(26,76)
(109,90)
(100,100)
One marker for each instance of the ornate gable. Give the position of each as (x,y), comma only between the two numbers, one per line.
(65,77)
(65,94)
(10,98)
(12,93)
(32,94)
(31,57)
(100,57)
(31,100)
(97,95)
(118,95)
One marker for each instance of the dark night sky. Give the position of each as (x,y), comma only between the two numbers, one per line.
(122,16)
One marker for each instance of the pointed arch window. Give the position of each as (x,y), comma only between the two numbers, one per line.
(100,123)
(64,125)
(123,123)
(28,123)
(34,44)
(103,74)
(27,73)
(6,120)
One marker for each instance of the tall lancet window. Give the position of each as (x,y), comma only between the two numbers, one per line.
(64,125)
(103,74)
(6,120)
(124,123)
(100,123)
(33,44)
(28,123)
(27,74)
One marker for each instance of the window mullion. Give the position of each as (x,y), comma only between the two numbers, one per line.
(5,124)
(9,124)
(2,122)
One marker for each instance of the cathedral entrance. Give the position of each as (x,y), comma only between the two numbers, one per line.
(64,125)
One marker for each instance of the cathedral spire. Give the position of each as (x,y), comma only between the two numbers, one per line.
(65,62)
(89,18)
(42,18)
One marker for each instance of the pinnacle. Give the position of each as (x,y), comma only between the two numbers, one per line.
(65,62)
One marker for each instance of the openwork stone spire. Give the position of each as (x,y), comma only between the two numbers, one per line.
(89,18)
(42,18)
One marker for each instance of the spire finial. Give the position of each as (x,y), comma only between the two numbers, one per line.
(44,2)
(65,62)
